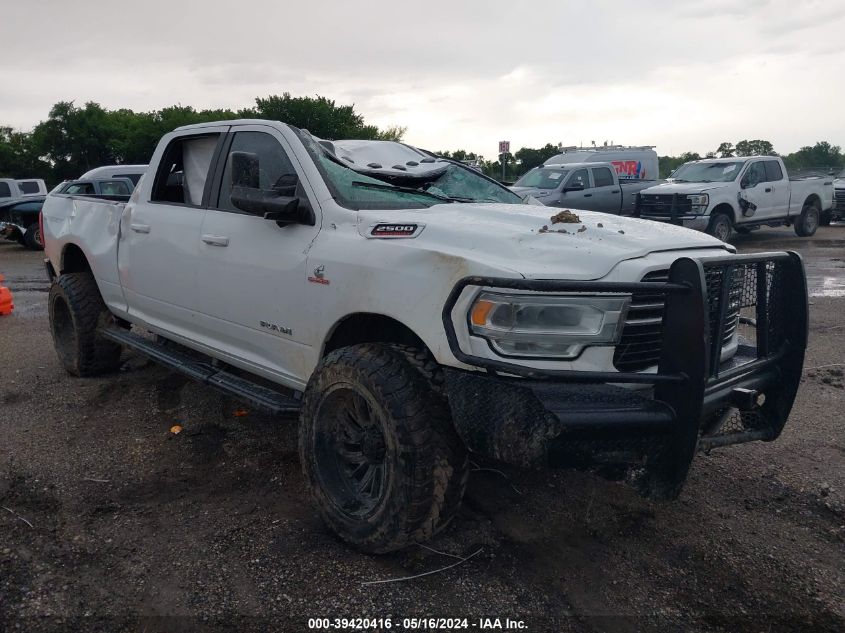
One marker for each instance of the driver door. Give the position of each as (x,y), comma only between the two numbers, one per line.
(252,271)
(757,191)
(575,197)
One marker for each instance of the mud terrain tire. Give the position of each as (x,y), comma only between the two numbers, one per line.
(377,448)
(77,316)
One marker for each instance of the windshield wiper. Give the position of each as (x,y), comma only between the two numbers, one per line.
(386,187)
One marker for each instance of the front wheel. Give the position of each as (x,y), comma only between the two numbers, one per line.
(720,227)
(372,443)
(808,221)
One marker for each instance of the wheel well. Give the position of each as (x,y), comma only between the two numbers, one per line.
(365,327)
(814,200)
(74,260)
(726,209)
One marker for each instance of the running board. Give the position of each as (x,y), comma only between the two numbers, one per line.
(241,388)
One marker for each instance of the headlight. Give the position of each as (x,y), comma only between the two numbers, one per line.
(699,202)
(557,326)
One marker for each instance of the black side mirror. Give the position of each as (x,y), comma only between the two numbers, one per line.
(574,186)
(285,203)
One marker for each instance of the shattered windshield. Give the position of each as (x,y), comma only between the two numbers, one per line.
(454,183)
(542,178)
(708,172)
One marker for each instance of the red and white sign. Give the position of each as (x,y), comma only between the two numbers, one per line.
(504,147)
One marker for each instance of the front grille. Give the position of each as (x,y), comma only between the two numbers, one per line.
(664,205)
(840,199)
(642,335)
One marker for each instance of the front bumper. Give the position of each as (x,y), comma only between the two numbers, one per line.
(538,418)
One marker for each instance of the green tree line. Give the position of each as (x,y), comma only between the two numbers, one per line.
(74,139)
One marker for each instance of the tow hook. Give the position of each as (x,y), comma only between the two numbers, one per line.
(747,399)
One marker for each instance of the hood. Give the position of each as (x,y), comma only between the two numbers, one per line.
(535,192)
(511,237)
(685,187)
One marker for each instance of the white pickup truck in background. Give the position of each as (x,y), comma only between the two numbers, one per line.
(412,310)
(722,195)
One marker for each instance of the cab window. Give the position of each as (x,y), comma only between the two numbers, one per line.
(773,171)
(579,177)
(183,171)
(602,177)
(275,169)
(755,175)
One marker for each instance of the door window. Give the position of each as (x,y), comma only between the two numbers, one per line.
(755,175)
(275,170)
(773,171)
(114,188)
(183,171)
(577,177)
(602,177)
(81,188)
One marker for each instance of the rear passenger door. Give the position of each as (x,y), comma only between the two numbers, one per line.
(252,271)
(606,192)
(160,234)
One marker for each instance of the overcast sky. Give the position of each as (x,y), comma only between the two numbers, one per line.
(682,75)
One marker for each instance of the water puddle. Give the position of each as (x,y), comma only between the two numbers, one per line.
(826,287)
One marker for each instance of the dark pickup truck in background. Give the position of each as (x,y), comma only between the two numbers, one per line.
(588,186)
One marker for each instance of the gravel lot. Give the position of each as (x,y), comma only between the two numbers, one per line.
(110,522)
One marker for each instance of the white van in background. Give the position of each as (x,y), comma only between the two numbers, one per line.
(630,163)
(11,189)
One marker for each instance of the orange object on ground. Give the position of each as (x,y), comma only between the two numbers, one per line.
(6,305)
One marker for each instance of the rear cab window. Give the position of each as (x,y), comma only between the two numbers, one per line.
(602,177)
(773,171)
(183,172)
(29,187)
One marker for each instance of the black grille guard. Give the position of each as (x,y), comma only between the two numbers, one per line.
(759,384)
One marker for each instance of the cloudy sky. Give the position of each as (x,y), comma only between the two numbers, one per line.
(682,74)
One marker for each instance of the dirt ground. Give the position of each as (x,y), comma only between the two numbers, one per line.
(110,522)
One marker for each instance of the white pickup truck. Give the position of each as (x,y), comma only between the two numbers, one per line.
(412,310)
(722,195)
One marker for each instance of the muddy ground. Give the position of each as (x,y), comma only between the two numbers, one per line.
(110,522)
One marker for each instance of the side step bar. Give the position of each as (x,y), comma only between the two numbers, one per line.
(241,388)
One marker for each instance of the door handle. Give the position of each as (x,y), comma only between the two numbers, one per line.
(768,189)
(140,228)
(216,240)
(615,191)
(588,195)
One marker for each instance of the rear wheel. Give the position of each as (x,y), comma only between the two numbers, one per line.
(378,449)
(720,227)
(808,221)
(77,318)
(32,238)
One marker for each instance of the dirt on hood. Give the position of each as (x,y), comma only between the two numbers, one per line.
(565,217)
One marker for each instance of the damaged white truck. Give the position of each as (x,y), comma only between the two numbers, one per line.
(413,311)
